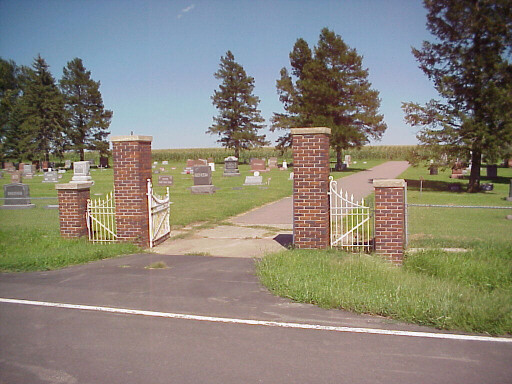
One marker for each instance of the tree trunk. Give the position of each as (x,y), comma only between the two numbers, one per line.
(82,154)
(339,163)
(474,177)
(237,153)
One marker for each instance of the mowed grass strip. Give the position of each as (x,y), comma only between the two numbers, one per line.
(367,284)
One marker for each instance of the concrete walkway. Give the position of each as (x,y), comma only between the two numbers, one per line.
(266,229)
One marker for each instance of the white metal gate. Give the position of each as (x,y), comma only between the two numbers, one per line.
(101,219)
(351,225)
(159,212)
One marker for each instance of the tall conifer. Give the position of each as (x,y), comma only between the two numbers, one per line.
(238,120)
(88,119)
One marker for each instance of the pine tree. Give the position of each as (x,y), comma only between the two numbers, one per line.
(239,119)
(329,87)
(88,119)
(41,113)
(10,92)
(469,63)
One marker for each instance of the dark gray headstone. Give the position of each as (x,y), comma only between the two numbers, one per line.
(166,181)
(492,171)
(17,196)
(231,166)
(104,162)
(202,175)
(509,198)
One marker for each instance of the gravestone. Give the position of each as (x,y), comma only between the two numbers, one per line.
(291,176)
(202,180)
(492,171)
(285,165)
(9,166)
(67,164)
(17,196)
(61,171)
(82,172)
(16,177)
(457,171)
(162,169)
(156,162)
(212,166)
(258,165)
(257,179)
(165,181)
(165,162)
(51,177)
(231,166)
(348,160)
(455,187)
(272,162)
(487,187)
(45,165)
(433,170)
(103,162)
(509,198)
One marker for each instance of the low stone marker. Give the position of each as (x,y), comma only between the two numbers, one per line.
(231,166)
(17,196)
(82,172)
(51,177)
(254,180)
(16,177)
(165,162)
(457,171)
(162,169)
(165,181)
(67,164)
(272,162)
(285,165)
(291,176)
(202,180)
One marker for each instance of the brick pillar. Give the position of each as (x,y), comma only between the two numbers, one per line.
(132,169)
(390,228)
(311,187)
(72,207)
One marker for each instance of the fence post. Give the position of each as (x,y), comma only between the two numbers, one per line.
(310,187)
(132,169)
(390,210)
(72,208)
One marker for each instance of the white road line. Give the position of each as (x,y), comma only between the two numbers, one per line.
(259,322)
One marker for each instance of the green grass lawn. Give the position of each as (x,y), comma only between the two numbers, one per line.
(46,250)
(469,291)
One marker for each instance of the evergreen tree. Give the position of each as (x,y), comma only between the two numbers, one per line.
(9,93)
(329,87)
(239,119)
(469,63)
(88,119)
(41,114)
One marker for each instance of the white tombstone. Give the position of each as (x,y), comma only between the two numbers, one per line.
(254,180)
(291,176)
(212,166)
(82,172)
(285,165)
(165,162)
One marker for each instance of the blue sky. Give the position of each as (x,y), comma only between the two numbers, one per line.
(156,59)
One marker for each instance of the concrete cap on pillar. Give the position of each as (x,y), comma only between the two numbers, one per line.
(310,131)
(73,186)
(389,183)
(131,138)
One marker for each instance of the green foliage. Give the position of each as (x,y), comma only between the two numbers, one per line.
(239,119)
(329,88)
(41,108)
(88,119)
(469,63)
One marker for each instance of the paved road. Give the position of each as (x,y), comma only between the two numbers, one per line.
(40,344)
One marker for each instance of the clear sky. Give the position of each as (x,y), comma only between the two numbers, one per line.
(156,59)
